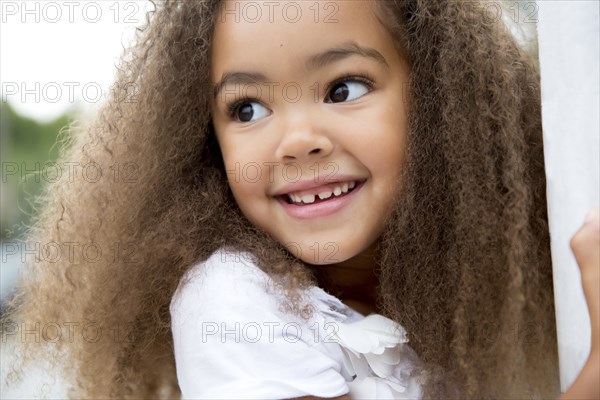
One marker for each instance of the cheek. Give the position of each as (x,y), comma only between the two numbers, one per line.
(386,153)
(394,134)
(250,198)
(247,174)
(383,147)
(236,158)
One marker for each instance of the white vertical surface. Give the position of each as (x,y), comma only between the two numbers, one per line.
(568,33)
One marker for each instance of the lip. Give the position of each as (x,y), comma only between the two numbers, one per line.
(316,184)
(322,209)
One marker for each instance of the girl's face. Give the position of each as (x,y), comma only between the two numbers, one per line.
(311,120)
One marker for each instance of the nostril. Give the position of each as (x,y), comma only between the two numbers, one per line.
(315,151)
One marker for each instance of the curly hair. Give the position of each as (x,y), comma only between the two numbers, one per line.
(465,256)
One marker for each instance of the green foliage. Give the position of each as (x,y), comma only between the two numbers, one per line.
(28,150)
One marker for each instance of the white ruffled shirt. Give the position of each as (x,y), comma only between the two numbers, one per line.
(231,340)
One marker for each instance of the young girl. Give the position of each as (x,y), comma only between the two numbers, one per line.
(326,199)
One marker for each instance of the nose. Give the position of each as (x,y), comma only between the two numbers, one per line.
(302,140)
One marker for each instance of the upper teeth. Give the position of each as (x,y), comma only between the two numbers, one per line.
(310,198)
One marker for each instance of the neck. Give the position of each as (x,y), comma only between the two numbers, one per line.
(353,281)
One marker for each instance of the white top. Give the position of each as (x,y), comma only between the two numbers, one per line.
(232,341)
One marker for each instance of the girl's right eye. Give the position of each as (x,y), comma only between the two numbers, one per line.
(247,111)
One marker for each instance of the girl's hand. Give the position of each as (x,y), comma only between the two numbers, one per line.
(586,248)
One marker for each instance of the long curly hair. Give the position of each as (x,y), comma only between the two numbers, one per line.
(465,256)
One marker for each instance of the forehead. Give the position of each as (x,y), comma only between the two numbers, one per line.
(283,34)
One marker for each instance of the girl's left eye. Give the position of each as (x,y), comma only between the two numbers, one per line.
(348,89)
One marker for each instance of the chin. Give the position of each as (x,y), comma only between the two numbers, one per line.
(329,253)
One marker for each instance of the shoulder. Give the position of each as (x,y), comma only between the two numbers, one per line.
(225,265)
(231,341)
(226,280)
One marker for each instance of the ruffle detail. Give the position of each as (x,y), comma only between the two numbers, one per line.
(377,363)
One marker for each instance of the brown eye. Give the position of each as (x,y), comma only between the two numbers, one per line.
(247,111)
(348,90)
(339,93)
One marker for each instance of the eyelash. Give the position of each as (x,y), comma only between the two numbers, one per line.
(361,77)
(232,107)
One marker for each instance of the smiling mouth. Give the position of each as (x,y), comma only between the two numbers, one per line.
(333,191)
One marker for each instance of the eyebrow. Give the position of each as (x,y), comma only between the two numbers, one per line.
(344,51)
(315,61)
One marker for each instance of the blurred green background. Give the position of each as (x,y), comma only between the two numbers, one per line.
(28,149)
